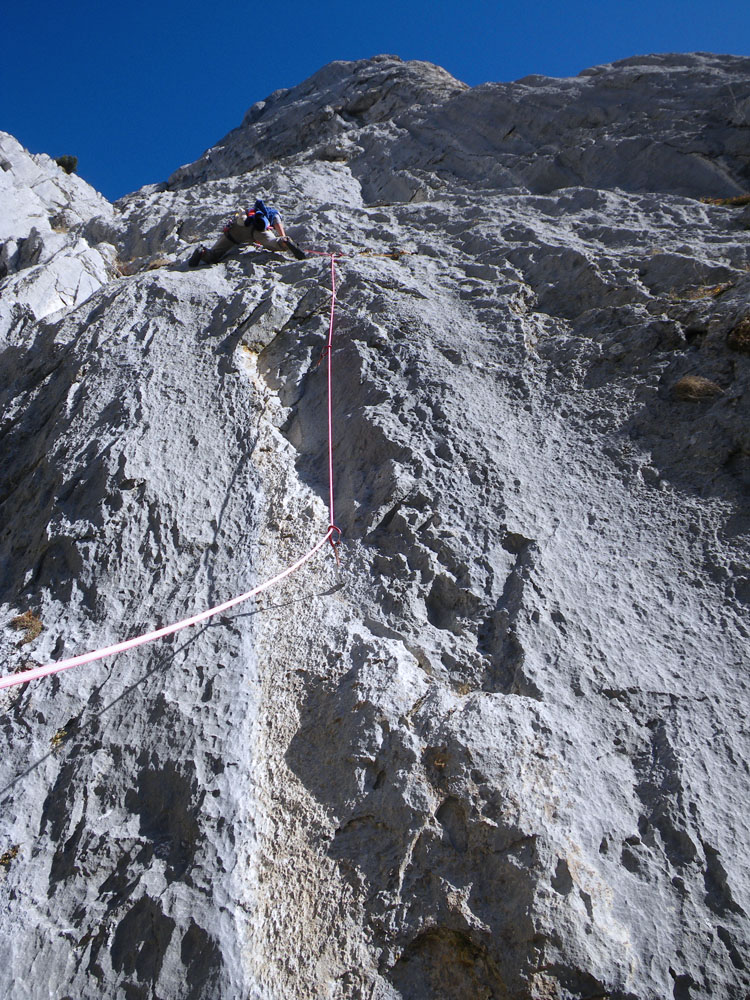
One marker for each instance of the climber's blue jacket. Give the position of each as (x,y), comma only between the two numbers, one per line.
(270,215)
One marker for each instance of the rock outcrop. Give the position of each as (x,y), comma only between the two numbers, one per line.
(48,265)
(502,753)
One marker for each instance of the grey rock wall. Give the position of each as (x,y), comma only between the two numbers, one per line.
(46,264)
(502,752)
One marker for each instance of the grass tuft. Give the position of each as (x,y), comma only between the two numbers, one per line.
(696,389)
(68,163)
(59,738)
(7,858)
(702,292)
(738,338)
(30,624)
(737,201)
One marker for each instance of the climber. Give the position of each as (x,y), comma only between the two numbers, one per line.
(253,226)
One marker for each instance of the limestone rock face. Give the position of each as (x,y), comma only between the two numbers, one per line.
(675,124)
(46,266)
(501,752)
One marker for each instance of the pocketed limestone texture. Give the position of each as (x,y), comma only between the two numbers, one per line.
(502,752)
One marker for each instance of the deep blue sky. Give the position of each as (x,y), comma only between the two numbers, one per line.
(136,89)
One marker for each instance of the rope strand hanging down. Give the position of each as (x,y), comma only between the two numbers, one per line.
(329,351)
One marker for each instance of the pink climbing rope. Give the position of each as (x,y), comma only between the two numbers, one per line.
(329,350)
(120,647)
(24,676)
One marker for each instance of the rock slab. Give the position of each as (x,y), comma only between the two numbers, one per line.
(502,752)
